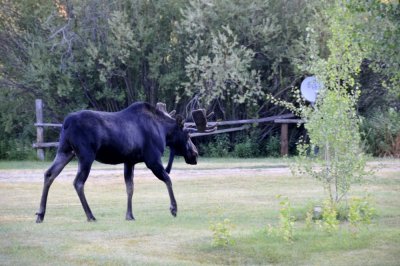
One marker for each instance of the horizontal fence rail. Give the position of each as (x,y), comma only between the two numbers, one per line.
(246,121)
(47,125)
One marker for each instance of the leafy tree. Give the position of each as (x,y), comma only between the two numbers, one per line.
(333,126)
(272,33)
(224,75)
(376,29)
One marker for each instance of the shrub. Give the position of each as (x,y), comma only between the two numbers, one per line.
(273,146)
(360,211)
(218,147)
(245,149)
(381,133)
(330,223)
(16,149)
(286,221)
(222,235)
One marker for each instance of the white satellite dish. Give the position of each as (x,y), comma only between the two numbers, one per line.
(309,88)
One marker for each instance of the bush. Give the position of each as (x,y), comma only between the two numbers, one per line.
(245,144)
(285,229)
(19,148)
(217,147)
(381,133)
(222,235)
(273,146)
(360,211)
(246,149)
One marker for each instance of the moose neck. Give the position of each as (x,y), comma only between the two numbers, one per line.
(167,123)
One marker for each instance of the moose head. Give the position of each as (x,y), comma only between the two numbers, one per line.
(181,144)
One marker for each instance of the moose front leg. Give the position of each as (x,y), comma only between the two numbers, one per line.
(79,184)
(128,174)
(159,171)
(173,207)
(170,161)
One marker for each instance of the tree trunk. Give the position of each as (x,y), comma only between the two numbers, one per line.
(149,85)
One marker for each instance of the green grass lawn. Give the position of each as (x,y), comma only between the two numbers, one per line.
(241,190)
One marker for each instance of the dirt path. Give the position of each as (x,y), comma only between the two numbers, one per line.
(107,173)
(12,176)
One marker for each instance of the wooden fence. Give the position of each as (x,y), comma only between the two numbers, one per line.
(284,120)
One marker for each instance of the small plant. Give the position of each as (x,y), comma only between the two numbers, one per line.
(286,221)
(330,223)
(360,211)
(222,235)
(309,219)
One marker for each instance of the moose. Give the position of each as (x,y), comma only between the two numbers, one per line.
(136,134)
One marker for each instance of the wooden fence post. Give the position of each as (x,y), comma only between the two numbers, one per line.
(284,140)
(285,133)
(39,129)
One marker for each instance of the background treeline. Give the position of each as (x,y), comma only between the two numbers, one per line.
(227,56)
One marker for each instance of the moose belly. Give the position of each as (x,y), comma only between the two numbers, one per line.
(111,155)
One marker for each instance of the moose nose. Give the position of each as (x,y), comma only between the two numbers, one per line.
(192,154)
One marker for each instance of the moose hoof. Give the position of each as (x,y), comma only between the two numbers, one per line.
(130,218)
(40,217)
(173,210)
(91,219)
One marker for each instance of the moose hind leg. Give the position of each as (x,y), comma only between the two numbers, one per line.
(79,183)
(128,175)
(61,160)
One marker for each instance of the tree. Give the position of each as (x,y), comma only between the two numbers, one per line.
(224,75)
(273,31)
(333,124)
(377,30)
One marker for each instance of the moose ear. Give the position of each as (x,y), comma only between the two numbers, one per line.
(179,120)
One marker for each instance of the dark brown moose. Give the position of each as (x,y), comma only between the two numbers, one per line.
(136,134)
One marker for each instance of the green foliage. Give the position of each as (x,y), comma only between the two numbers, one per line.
(237,60)
(330,223)
(240,55)
(333,128)
(376,28)
(273,146)
(360,211)
(357,211)
(224,74)
(381,133)
(222,235)
(246,149)
(16,130)
(246,144)
(285,229)
(218,147)
(333,124)
(309,218)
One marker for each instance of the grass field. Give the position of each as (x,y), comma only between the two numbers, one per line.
(241,190)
